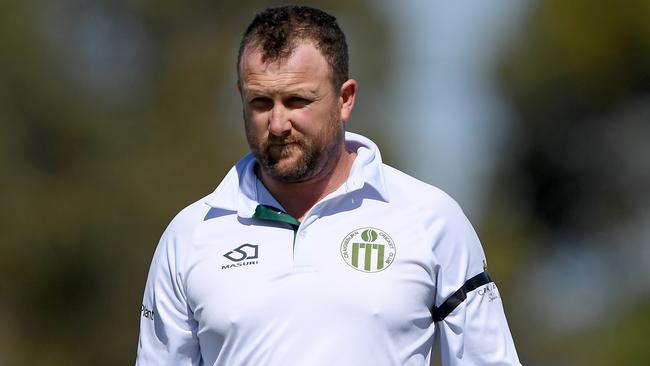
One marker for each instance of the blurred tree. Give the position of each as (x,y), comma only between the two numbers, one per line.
(579,173)
(580,80)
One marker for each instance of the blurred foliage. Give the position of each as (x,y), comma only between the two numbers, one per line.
(114,116)
(578,76)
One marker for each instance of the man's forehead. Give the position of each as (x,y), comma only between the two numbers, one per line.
(302,58)
(284,83)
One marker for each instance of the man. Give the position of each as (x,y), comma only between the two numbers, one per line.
(311,251)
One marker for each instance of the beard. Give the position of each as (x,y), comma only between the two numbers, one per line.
(296,157)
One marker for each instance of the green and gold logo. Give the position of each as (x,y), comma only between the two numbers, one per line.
(368,250)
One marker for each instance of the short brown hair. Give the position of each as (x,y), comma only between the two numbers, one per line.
(278,31)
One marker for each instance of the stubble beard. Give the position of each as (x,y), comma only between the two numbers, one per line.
(315,156)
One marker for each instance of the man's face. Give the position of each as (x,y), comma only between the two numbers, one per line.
(292,114)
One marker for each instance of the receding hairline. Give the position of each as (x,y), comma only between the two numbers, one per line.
(255,46)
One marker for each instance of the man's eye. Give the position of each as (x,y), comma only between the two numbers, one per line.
(297,102)
(261,103)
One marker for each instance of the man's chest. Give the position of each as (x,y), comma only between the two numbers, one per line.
(242,277)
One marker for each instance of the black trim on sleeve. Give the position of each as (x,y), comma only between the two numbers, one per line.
(441,312)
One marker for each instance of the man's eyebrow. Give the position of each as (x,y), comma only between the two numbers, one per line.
(303,91)
(289,91)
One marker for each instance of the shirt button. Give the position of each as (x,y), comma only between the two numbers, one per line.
(303,233)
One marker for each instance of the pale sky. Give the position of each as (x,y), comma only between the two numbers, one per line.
(447,105)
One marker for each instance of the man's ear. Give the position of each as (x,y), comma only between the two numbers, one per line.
(347,96)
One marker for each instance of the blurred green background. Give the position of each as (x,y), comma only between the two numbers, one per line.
(114,115)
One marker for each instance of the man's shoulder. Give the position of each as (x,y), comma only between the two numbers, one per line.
(222,199)
(431,204)
(405,187)
(190,216)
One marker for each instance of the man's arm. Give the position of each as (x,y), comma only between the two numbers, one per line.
(167,329)
(471,327)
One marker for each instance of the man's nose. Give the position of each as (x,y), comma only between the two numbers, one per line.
(279,122)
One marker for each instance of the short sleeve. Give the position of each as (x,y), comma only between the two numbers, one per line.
(471,327)
(167,328)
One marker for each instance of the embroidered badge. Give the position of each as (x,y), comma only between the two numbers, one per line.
(368,250)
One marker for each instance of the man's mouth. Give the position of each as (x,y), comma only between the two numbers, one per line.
(282,144)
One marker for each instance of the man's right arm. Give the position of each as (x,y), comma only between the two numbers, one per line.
(167,329)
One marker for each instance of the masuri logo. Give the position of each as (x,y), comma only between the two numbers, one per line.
(241,253)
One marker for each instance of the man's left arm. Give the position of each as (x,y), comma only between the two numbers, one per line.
(471,327)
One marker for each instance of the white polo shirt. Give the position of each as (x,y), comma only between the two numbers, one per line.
(236,281)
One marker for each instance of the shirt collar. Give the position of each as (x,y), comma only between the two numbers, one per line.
(368,168)
(241,191)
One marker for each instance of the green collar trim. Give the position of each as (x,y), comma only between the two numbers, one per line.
(270,213)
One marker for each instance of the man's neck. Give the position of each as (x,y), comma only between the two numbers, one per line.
(298,198)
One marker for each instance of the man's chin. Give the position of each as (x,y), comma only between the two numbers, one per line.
(285,163)
(287,174)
